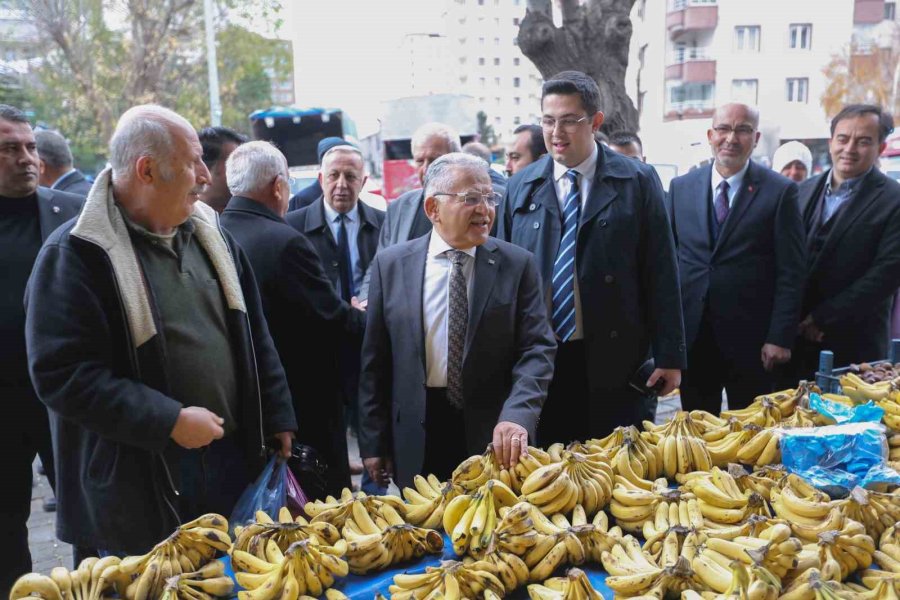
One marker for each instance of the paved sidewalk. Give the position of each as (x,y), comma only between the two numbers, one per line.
(48,552)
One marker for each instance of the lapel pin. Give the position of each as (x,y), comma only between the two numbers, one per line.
(55,209)
(750,188)
(490,261)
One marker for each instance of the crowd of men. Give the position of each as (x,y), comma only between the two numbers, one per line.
(184,315)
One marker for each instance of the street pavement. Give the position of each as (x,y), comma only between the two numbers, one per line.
(48,552)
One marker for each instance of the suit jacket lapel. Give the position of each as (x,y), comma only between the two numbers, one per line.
(487,263)
(869,190)
(748,190)
(701,194)
(365,225)
(600,196)
(49,213)
(413,269)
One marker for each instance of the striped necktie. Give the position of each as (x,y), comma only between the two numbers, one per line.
(563,284)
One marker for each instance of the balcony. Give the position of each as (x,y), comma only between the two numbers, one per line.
(868,12)
(690,109)
(691,65)
(686,16)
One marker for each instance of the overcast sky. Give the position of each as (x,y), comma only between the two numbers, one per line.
(346,52)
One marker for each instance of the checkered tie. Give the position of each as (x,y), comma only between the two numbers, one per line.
(458,321)
(563,283)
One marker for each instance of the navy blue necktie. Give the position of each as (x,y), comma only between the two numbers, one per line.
(563,284)
(344,260)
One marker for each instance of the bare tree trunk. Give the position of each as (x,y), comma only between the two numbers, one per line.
(594,38)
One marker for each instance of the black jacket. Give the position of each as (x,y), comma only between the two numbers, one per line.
(307,318)
(852,280)
(75,184)
(626,263)
(750,281)
(96,359)
(306,196)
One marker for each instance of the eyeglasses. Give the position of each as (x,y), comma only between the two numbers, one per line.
(725,130)
(566,124)
(473,198)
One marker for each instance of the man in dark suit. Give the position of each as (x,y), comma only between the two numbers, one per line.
(741,260)
(852,218)
(596,223)
(458,352)
(306,316)
(313,192)
(28,214)
(344,232)
(57,172)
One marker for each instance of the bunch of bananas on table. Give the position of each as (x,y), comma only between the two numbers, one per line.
(753,583)
(595,536)
(452,580)
(253,538)
(860,391)
(337,510)
(470,519)
(93,579)
(205,584)
(772,548)
(877,511)
(305,568)
(371,547)
(808,510)
(429,500)
(576,478)
(634,508)
(574,586)
(681,444)
(506,566)
(476,470)
(630,455)
(720,500)
(843,552)
(190,547)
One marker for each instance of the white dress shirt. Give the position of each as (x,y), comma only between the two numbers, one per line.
(734,184)
(352,227)
(586,171)
(436,306)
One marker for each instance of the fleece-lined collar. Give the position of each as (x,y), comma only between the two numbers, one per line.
(101,223)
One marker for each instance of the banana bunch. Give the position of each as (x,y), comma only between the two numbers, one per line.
(205,584)
(721,500)
(649,581)
(681,511)
(452,580)
(842,552)
(774,549)
(428,501)
(667,546)
(574,586)
(763,448)
(761,480)
(879,588)
(888,554)
(94,579)
(893,440)
(553,547)
(470,519)
(726,449)
(305,568)
(632,571)
(891,406)
(596,536)
(337,510)
(506,566)
(631,507)
(681,444)
(515,533)
(585,479)
(476,470)
(805,417)
(254,537)
(877,511)
(190,547)
(630,454)
(750,583)
(764,412)
(861,392)
(806,508)
(810,585)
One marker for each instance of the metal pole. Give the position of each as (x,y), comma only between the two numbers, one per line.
(215,106)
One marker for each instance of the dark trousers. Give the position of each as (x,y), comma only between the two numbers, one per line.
(24,433)
(445,435)
(710,371)
(209,479)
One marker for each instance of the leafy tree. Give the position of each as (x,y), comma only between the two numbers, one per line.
(856,77)
(486,132)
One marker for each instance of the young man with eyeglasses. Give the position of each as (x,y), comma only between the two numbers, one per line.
(596,223)
(458,352)
(741,258)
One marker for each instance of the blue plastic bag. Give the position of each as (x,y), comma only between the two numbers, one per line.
(268,493)
(838,457)
(841,413)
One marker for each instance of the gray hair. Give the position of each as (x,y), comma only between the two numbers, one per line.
(441,173)
(12,114)
(478,149)
(144,130)
(752,112)
(344,148)
(253,166)
(428,130)
(53,148)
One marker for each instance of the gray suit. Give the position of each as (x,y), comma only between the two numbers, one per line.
(507,361)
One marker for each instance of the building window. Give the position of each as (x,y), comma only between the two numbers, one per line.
(746,38)
(517,101)
(517,82)
(481,41)
(482,81)
(497,120)
(800,36)
(890,11)
(516,62)
(516,22)
(691,96)
(480,2)
(496,62)
(517,120)
(496,22)
(497,100)
(798,89)
(462,60)
(496,81)
(744,90)
(481,61)
(496,41)
(515,41)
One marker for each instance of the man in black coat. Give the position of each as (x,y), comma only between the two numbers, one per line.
(313,192)
(852,218)
(28,215)
(306,316)
(741,259)
(57,170)
(596,223)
